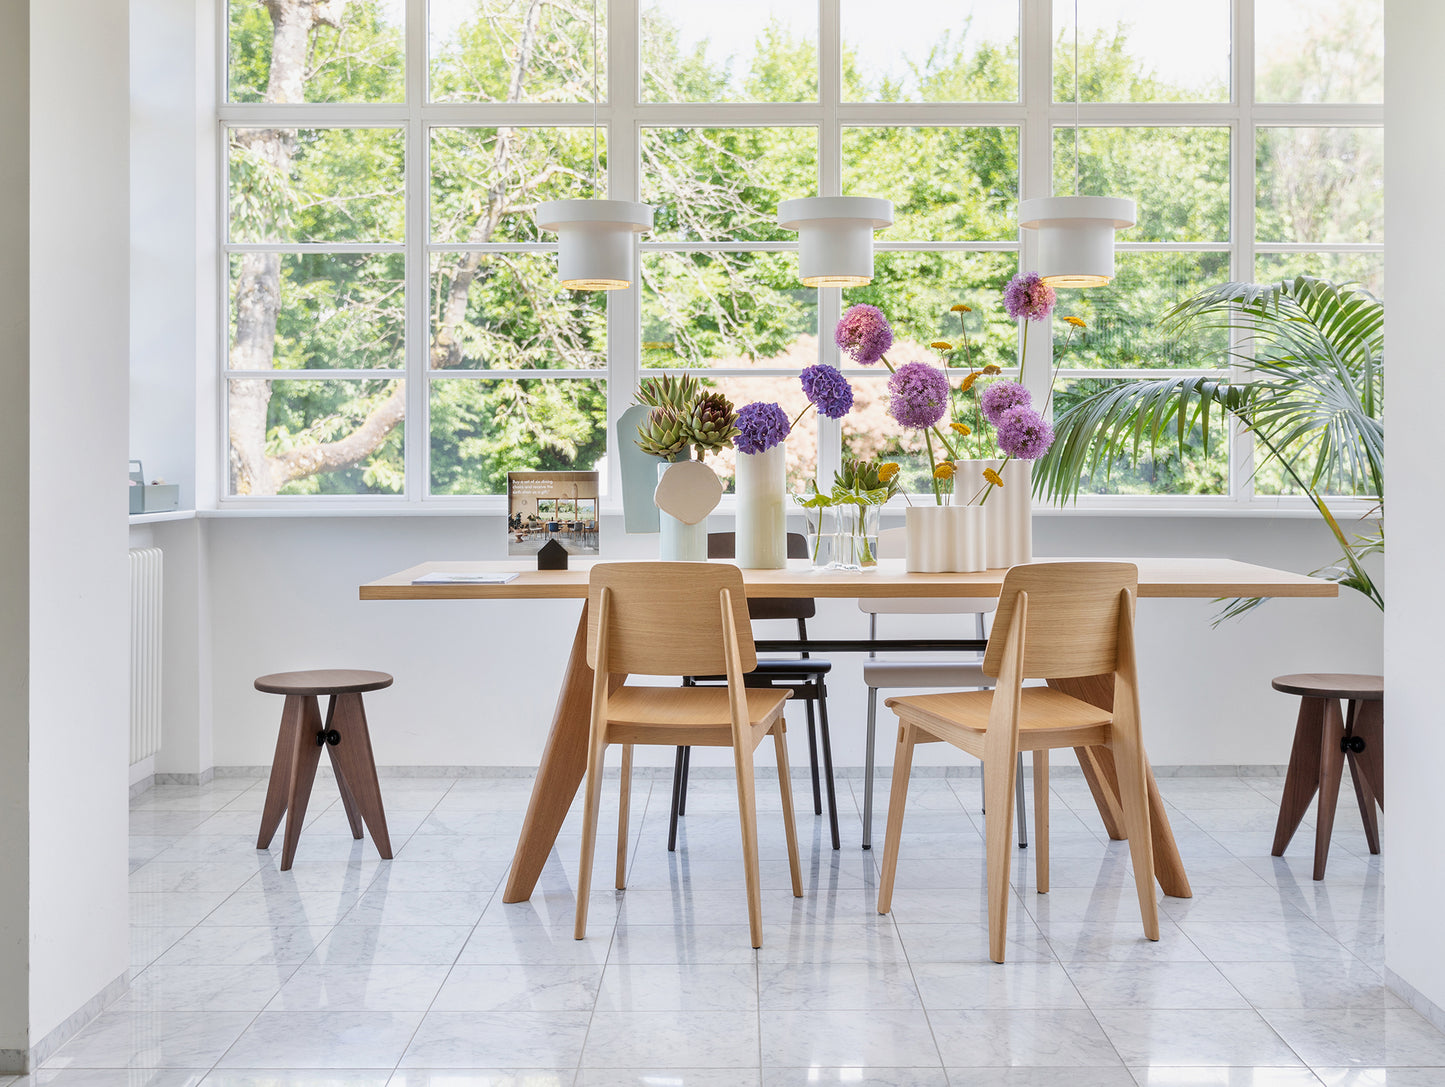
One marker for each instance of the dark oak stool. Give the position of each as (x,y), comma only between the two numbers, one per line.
(298,750)
(1323,739)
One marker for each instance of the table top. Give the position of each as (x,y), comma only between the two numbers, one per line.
(1158,577)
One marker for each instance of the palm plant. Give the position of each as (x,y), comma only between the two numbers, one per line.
(1310,394)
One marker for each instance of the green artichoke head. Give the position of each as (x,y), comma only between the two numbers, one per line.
(663,434)
(667,391)
(712,423)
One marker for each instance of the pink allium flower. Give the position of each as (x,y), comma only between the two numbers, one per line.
(1028,296)
(918,395)
(1002,397)
(864,334)
(1025,434)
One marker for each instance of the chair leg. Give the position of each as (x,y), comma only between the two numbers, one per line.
(868,768)
(355,763)
(686,769)
(623,805)
(813,757)
(897,797)
(677,767)
(1020,811)
(1134,804)
(828,761)
(748,817)
(591,802)
(1041,821)
(1302,779)
(785,789)
(1332,763)
(998,834)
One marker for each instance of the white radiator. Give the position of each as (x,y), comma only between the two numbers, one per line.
(145,652)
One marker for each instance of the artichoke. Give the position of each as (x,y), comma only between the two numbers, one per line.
(677,393)
(712,423)
(664,434)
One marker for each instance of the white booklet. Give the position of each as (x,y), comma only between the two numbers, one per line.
(453,577)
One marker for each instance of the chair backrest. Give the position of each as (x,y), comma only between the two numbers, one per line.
(1072,626)
(665,618)
(892,545)
(723,545)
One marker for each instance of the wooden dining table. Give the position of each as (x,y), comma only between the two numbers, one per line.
(564,758)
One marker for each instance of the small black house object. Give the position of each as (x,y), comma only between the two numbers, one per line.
(552,556)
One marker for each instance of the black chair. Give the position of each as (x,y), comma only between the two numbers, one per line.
(803,675)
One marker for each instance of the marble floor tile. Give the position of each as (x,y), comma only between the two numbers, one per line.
(646,944)
(864,1077)
(1163,1076)
(1379,1077)
(175,908)
(392,945)
(1254,941)
(205,988)
(808,984)
(380,906)
(857,1039)
(283,907)
(498,1040)
(1040,1077)
(969,943)
(309,1077)
(651,1076)
(317,988)
(977,986)
(657,987)
(516,945)
(149,1039)
(1371,1037)
(1154,985)
(701,1039)
(296,1040)
(109,1077)
(1052,1037)
(1185,1038)
(244,945)
(482,1077)
(1310,983)
(533,987)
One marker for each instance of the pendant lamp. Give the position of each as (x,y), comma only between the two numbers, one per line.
(835,237)
(1076,233)
(595,249)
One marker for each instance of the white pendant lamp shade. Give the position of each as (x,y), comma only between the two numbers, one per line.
(595,240)
(835,237)
(1076,236)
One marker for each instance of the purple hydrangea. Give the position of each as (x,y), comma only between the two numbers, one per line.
(918,395)
(1002,397)
(760,426)
(1025,434)
(828,390)
(1028,296)
(864,334)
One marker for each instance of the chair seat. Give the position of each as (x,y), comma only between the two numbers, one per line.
(700,714)
(319,681)
(925,674)
(1044,714)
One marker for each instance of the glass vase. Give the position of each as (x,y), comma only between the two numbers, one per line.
(855,543)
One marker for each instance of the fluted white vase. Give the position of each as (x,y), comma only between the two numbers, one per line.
(1009,523)
(946,539)
(762,517)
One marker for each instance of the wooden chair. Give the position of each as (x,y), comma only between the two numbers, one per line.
(803,675)
(1054,621)
(678,619)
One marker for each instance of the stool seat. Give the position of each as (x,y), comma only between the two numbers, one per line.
(317,681)
(1344,685)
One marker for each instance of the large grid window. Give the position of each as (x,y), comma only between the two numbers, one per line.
(395,328)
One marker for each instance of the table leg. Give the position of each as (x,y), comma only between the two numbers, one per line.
(564,762)
(1168,865)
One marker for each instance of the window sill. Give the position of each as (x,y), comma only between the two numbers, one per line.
(159,518)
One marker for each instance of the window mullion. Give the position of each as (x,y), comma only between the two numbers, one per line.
(416,433)
(830,183)
(1242,175)
(624,182)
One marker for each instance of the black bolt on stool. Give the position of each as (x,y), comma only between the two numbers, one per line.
(1323,739)
(298,750)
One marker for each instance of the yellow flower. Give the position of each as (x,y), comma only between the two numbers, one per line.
(959,307)
(1077,322)
(960,428)
(944,470)
(887,471)
(993,477)
(991,369)
(967,383)
(941,345)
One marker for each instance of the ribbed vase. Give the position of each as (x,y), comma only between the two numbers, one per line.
(946,539)
(1009,524)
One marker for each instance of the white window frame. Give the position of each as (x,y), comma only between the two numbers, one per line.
(623,115)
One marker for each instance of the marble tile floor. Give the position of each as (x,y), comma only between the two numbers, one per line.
(351,971)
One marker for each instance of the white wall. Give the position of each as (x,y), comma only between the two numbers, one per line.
(14,530)
(475,682)
(78,578)
(1415,745)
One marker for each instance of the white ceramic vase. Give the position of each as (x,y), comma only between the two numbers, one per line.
(946,539)
(1008,522)
(762,519)
(677,540)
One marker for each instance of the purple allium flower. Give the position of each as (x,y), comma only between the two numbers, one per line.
(1028,296)
(864,334)
(1002,397)
(761,426)
(828,390)
(1025,434)
(918,395)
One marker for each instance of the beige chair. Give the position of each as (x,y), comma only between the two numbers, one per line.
(1054,621)
(678,619)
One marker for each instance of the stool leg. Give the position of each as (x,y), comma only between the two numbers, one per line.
(1370,726)
(1332,763)
(1302,778)
(1359,777)
(304,755)
(276,791)
(348,801)
(828,761)
(354,761)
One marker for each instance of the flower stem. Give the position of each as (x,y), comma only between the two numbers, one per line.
(932,470)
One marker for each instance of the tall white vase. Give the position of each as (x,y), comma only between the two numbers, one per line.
(1009,523)
(762,519)
(946,539)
